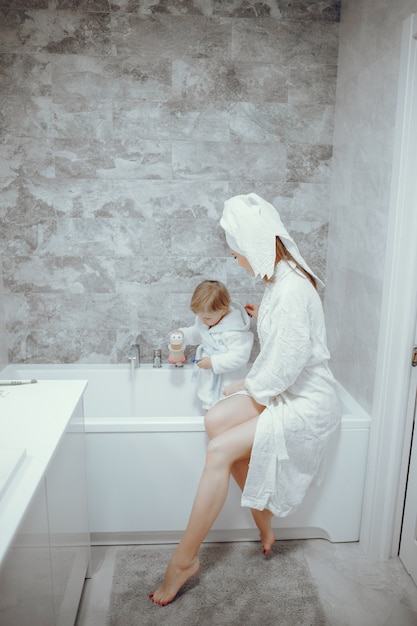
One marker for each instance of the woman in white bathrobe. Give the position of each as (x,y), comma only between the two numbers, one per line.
(271,430)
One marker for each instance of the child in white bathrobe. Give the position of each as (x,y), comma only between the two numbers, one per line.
(221,331)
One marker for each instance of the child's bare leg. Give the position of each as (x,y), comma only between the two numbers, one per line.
(263,518)
(222,452)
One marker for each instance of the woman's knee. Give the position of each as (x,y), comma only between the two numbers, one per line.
(213,421)
(217,454)
(230,412)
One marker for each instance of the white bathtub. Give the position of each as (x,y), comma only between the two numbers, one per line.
(145,453)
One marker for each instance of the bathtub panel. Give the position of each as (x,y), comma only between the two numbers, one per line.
(149,495)
(142,481)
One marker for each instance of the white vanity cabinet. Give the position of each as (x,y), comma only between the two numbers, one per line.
(26,592)
(69,536)
(44,512)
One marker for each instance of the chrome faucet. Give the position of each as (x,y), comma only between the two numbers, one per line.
(157,358)
(134,355)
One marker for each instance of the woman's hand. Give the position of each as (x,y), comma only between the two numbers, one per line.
(237,385)
(252,310)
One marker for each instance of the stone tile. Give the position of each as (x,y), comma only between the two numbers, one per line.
(298,200)
(108,237)
(192,36)
(25,4)
(241,282)
(203,233)
(288,43)
(122,159)
(57,32)
(25,75)
(208,8)
(311,239)
(36,274)
(138,119)
(27,200)
(228,161)
(309,163)
(312,85)
(231,81)
(139,199)
(111,77)
(64,345)
(26,117)
(23,239)
(329,10)
(190,269)
(29,157)
(278,9)
(83,118)
(282,122)
(97,6)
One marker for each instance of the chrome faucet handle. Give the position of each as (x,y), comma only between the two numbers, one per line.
(134,354)
(157,358)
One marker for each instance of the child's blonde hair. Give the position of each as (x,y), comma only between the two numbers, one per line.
(210,296)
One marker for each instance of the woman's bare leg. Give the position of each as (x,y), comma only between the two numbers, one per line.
(230,412)
(221,417)
(263,518)
(222,452)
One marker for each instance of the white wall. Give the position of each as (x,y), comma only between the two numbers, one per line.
(370,36)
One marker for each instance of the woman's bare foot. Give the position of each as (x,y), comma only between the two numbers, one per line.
(263,520)
(267,541)
(176,576)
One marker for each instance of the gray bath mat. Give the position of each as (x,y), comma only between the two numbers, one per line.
(236,585)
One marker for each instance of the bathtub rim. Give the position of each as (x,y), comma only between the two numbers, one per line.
(353,415)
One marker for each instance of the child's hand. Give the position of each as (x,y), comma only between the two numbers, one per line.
(204,363)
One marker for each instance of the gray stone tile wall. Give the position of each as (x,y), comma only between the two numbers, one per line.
(123,128)
(3,346)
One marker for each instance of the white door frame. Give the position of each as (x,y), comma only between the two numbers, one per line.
(408,546)
(391,427)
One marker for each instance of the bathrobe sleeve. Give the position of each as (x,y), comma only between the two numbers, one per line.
(239,346)
(285,330)
(192,335)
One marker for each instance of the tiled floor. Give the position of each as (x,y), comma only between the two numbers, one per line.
(354,590)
